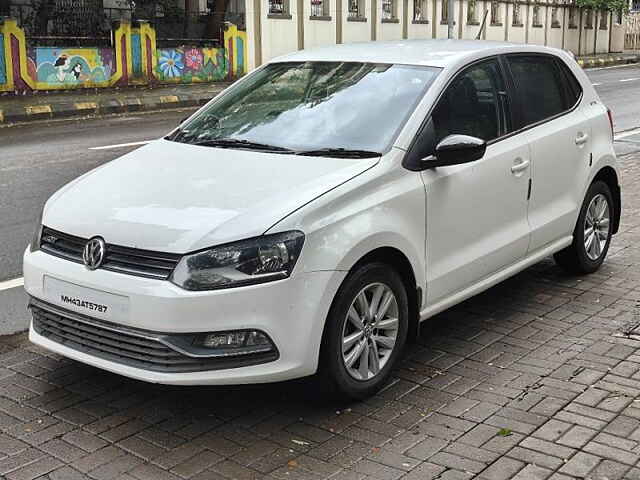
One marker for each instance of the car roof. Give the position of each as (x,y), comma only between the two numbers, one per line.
(436,52)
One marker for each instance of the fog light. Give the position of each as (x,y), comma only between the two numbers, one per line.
(236,342)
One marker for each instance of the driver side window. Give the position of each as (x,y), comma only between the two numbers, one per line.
(472,104)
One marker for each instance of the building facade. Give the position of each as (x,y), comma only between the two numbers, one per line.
(276,27)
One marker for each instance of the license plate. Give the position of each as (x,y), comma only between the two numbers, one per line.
(88,301)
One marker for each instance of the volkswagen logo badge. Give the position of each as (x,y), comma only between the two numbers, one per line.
(93,253)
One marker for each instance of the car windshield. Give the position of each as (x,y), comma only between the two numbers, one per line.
(312,107)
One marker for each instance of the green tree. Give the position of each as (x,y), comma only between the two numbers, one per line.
(611,5)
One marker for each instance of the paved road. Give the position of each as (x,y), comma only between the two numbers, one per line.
(37,159)
(619,87)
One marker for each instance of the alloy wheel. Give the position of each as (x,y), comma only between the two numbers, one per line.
(370,331)
(596,227)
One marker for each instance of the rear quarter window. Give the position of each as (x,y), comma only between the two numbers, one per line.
(540,86)
(574,89)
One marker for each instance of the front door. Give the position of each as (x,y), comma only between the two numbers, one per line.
(476,212)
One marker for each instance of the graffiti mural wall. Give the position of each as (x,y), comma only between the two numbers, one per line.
(190,64)
(3,68)
(133,60)
(70,67)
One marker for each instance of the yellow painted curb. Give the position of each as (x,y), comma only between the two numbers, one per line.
(36,109)
(169,99)
(86,105)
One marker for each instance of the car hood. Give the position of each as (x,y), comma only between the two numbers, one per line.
(174,197)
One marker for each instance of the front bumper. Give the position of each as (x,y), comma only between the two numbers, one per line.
(291,312)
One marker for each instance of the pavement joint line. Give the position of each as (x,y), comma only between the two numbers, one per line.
(9,284)
(121,145)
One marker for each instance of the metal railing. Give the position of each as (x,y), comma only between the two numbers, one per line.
(81,23)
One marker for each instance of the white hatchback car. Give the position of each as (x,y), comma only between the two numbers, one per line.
(307,219)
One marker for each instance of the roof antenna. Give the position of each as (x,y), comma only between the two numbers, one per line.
(484,21)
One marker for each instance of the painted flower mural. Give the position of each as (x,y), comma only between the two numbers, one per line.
(193,58)
(170,63)
(191,64)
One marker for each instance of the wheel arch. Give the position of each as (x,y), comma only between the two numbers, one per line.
(397,260)
(609,176)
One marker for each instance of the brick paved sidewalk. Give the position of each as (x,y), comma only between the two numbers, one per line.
(527,381)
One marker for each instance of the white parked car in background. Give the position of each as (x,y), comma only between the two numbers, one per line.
(307,219)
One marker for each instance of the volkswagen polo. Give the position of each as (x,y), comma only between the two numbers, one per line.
(307,219)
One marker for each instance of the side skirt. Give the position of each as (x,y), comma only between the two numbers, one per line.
(495,278)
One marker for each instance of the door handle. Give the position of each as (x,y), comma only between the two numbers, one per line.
(519,167)
(582,138)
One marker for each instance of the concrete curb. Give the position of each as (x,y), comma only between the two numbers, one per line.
(108,105)
(606,61)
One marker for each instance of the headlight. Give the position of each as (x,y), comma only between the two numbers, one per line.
(35,240)
(257,260)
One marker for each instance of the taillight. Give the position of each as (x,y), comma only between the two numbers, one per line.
(610,115)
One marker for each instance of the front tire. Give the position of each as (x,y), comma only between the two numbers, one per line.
(365,332)
(592,234)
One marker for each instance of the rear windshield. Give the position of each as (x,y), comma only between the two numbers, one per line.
(315,105)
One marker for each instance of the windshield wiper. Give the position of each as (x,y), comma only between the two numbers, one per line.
(234,142)
(339,153)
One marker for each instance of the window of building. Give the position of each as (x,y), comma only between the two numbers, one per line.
(573,17)
(278,7)
(389,10)
(319,8)
(536,16)
(517,16)
(588,22)
(356,10)
(421,11)
(540,86)
(635,5)
(555,21)
(444,11)
(472,14)
(471,105)
(604,18)
(495,14)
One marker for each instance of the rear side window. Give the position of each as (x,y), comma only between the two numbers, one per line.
(539,85)
(574,89)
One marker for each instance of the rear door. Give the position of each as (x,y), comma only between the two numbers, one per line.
(559,136)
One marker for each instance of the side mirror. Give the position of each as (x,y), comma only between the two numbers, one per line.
(456,150)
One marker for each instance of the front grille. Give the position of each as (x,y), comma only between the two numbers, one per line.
(131,261)
(124,345)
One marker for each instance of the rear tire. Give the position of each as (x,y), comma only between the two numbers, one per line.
(592,233)
(365,332)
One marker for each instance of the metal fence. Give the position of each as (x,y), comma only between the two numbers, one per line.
(88,23)
(632,32)
(63,22)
